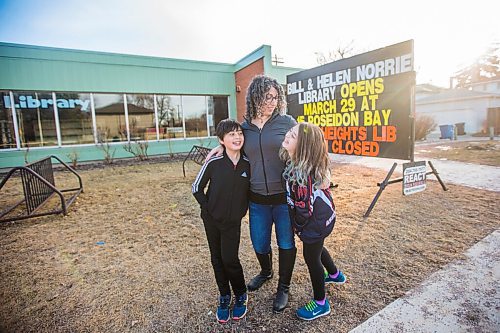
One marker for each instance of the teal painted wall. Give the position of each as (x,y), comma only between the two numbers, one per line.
(280,73)
(261,52)
(19,74)
(44,68)
(24,67)
(88,153)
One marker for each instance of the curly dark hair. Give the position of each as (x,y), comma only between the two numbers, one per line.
(256,94)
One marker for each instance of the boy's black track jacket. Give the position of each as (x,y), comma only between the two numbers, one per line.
(227,196)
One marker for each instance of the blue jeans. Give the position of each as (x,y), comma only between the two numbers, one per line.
(262,218)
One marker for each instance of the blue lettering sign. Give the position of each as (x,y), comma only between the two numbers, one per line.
(29,102)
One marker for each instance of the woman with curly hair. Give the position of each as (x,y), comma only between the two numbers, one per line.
(264,128)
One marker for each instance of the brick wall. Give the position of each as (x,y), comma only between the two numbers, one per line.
(242,79)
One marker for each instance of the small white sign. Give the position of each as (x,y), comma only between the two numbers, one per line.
(414,177)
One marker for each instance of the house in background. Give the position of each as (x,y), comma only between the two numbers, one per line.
(477,106)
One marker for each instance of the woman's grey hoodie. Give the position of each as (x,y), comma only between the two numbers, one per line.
(262,149)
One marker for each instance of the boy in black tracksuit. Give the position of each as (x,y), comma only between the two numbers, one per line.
(222,207)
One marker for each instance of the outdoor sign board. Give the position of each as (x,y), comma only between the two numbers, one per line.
(414,177)
(363,103)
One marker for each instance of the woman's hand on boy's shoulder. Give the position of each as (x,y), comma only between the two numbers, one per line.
(217,151)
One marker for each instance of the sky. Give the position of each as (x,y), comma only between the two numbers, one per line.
(447,35)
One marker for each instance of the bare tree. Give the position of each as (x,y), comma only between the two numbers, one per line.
(342,51)
(102,139)
(486,67)
(168,114)
(145,101)
(109,152)
(138,149)
(73,157)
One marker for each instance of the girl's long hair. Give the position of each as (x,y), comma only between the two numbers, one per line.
(310,158)
(256,96)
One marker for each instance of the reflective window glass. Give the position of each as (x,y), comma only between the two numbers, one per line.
(169,116)
(195,115)
(217,110)
(36,121)
(110,117)
(7,134)
(75,118)
(141,117)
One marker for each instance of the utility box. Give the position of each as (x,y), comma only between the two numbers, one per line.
(460,128)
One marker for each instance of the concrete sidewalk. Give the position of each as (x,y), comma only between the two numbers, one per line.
(465,295)
(462,297)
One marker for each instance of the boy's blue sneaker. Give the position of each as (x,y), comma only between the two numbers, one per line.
(340,279)
(313,310)
(240,306)
(223,309)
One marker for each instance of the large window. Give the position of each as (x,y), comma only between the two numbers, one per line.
(36,121)
(150,117)
(141,117)
(195,115)
(169,116)
(7,134)
(110,117)
(75,118)
(217,110)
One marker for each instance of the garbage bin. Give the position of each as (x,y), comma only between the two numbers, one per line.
(447,131)
(460,128)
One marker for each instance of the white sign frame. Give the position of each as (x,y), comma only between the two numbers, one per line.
(414,177)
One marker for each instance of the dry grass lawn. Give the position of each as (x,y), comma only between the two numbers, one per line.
(131,256)
(480,152)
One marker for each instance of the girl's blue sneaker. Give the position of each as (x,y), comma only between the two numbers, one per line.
(223,309)
(340,279)
(313,310)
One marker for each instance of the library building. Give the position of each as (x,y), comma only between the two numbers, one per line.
(61,101)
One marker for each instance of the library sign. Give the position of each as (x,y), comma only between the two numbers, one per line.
(30,102)
(363,103)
